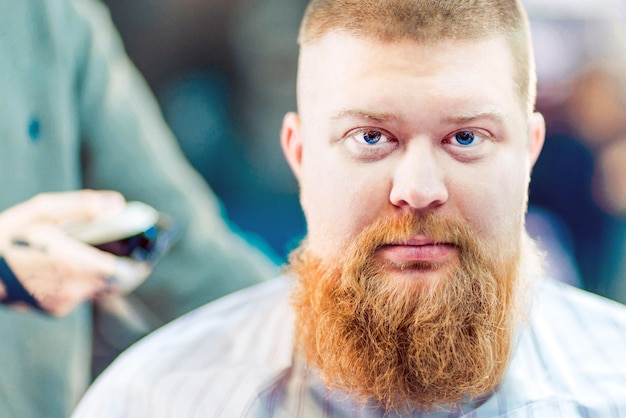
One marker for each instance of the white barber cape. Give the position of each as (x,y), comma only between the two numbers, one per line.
(233,358)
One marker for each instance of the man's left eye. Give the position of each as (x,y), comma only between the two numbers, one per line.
(465,137)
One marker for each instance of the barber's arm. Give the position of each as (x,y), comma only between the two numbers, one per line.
(129,148)
(41,267)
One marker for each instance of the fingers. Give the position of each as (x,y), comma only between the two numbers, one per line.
(73,293)
(62,273)
(63,206)
(59,271)
(127,275)
(66,295)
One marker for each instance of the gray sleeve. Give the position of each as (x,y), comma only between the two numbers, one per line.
(128,147)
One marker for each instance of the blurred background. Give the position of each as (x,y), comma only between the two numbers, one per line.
(224,74)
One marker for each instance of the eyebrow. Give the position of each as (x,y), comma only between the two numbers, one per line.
(362,114)
(494,115)
(459,119)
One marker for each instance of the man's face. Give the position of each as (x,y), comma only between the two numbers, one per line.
(390,128)
(413,162)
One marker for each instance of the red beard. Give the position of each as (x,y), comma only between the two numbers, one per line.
(409,344)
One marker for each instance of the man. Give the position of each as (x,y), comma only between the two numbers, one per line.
(416,291)
(76,114)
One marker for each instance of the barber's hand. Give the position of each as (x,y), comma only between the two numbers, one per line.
(57,270)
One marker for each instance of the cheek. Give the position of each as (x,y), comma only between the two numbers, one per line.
(338,203)
(496,203)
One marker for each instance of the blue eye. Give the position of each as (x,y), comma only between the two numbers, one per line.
(465,137)
(372,137)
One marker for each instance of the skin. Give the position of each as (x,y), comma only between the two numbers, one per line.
(414,99)
(57,270)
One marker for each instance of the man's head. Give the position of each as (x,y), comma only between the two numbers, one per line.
(413,148)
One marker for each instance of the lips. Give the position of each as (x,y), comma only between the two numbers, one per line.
(421,249)
(417,241)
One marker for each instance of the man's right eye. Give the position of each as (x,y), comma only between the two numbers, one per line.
(372,137)
(370,143)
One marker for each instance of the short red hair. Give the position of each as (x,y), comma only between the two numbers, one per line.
(430,21)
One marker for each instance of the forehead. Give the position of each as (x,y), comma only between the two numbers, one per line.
(340,70)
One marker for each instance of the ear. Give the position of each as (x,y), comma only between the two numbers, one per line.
(537,136)
(291,142)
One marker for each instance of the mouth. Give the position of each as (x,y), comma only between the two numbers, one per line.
(417,250)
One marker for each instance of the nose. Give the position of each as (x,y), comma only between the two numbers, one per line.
(419,180)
